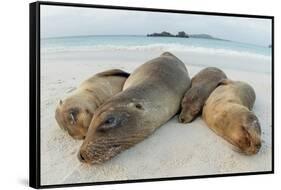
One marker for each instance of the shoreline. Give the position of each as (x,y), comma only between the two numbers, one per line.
(145,35)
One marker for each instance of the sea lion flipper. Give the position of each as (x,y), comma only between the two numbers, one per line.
(114,72)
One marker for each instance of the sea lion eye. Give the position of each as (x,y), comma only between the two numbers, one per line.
(109,120)
(73,112)
(72,119)
(109,123)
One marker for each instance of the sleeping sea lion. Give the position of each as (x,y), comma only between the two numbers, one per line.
(75,113)
(202,84)
(227,113)
(150,97)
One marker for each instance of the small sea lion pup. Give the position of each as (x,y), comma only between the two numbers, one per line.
(202,85)
(75,113)
(150,97)
(227,113)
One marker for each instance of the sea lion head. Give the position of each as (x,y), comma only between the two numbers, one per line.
(114,128)
(74,115)
(244,131)
(191,104)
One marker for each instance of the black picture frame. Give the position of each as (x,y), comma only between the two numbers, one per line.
(34,91)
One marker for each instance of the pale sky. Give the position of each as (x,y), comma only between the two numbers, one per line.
(57,21)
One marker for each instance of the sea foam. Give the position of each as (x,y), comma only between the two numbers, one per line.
(156,47)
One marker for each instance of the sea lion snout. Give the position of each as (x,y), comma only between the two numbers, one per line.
(181,119)
(189,112)
(248,144)
(97,153)
(244,131)
(190,109)
(83,157)
(253,133)
(80,157)
(185,118)
(106,137)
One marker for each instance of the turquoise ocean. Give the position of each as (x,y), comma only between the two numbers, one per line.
(144,43)
(246,54)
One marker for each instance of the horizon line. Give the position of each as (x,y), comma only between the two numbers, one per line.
(92,35)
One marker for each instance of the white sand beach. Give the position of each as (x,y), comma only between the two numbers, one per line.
(174,149)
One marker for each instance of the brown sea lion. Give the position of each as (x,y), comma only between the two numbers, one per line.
(75,113)
(227,113)
(202,84)
(150,97)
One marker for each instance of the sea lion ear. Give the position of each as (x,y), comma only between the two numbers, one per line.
(139,106)
(60,102)
(88,111)
(136,105)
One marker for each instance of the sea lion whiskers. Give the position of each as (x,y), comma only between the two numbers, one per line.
(97,152)
(129,139)
(106,146)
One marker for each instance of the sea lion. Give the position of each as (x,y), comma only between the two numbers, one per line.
(227,113)
(75,113)
(150,97)
(202,84)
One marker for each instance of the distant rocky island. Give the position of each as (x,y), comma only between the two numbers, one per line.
(182,34)
(167,34)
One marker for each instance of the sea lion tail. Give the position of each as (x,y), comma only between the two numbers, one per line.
(114,72)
